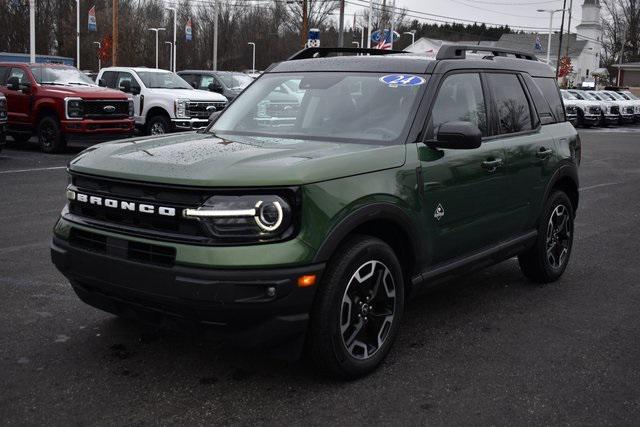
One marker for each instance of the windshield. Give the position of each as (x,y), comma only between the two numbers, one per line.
(616,95)
(630,95)
(60,76)
(235,80)
(162,80)
(567,95)
(344,107)
(589,96)
(606,96)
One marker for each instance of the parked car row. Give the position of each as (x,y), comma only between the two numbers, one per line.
(601,107)
(57,103)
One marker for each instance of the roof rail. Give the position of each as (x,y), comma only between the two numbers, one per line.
(322,52)
(455,51)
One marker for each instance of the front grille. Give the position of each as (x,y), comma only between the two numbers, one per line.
(594,110)
(202,110)
(120,248)
(101,109)
(615,110)
(135,222)
(629,110)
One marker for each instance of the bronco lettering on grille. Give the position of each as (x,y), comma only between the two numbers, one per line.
(121,204)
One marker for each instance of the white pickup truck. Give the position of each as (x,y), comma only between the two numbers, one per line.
(163,101)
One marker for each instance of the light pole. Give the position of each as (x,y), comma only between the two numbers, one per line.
(550,12)
(156,30)
(253,62)
(173,51)
(32,31)
(215,37)
(78,33)
(99,60)
(413,36)
(170,55)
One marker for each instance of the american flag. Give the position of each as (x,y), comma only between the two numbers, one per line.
(384,41)
(538,45)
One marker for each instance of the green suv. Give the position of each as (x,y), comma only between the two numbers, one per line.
(304,230)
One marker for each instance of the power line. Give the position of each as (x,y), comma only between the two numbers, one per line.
(496,11)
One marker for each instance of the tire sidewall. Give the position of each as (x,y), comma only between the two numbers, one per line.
(58,140)
(554,201)
(158,119)
(367,249)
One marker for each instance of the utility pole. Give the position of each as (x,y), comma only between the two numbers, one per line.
(32,31)
(305,24)
(114,44)
(78,34)
(156,30)
(564,9)
(253,60)
(566,49)
(215,36)
(369,24)
(341,26)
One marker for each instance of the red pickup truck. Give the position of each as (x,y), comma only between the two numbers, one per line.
(58,102)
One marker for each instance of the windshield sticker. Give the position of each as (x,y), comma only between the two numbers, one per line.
(402,80)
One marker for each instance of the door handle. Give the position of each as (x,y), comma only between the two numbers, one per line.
(492,165)
(544,153)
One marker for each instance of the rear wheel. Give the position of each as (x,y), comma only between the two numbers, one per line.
(157,125)
(358,308)
(50,137)
(548,258)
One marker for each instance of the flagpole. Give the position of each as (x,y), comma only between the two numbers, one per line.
(78,33)
(393,11)
(369,24)
(32,31)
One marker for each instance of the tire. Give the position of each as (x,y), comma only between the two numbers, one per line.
(50,137)
(547,259)
(339,341)
(21,137)
(157,125)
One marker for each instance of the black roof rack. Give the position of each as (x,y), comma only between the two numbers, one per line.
(455,51)
(322,52)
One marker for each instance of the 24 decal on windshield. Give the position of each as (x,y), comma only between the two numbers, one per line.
(402,80)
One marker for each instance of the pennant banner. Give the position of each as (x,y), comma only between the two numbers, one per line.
(93,25)
(188,31)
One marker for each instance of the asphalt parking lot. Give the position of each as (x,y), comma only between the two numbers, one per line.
(489,349)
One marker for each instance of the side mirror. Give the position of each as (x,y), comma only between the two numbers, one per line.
(102,83)
(134,90)
(13,83)
(125,86)
(457,136)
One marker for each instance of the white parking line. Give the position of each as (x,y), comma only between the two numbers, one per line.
(34,170)
(604,184)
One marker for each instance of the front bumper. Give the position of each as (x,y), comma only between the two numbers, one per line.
(189,124)
(591,119)
(611,119)
(249,308)
(97,128)
(626,118)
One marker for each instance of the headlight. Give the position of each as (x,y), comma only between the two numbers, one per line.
(572,110)
(181,108)
(250,218)
(75,108)
(131,111)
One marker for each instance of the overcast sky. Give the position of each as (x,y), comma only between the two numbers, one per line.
(512,12)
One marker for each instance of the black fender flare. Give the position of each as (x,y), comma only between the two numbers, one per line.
(566,169)
(366,213)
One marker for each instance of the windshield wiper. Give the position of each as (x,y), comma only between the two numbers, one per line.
(79,83)
(53,83)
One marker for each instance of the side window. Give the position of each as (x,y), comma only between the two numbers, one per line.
(3,75)
(192,79)
(123,77)
(460,98)
(549,89)
(511,103)
(205,81)
(20,74)
(541,104)
(109,78)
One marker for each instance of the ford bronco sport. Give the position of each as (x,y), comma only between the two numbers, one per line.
(57,103)
(310,232)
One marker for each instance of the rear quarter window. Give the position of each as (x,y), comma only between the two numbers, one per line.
(549,89)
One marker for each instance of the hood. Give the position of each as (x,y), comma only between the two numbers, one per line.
(84,92)
(196,159)
(190,94)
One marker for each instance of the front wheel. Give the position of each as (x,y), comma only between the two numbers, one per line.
(157,125)
(358,308)
(50,136)
(548,258)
